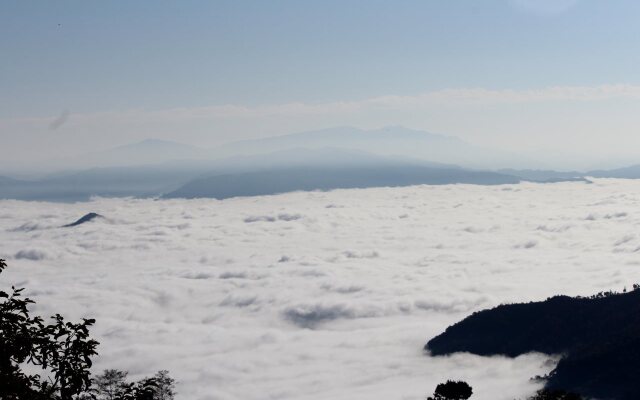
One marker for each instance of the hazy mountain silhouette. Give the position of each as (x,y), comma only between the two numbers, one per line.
(154,167)
(8,181)
(544,176)
(393,141)
(13,188)
(326,178)
(360,169)
(149,151)
(139,181)
(389,141)
(549,176)
(599,337)
(312,157)
(631,172)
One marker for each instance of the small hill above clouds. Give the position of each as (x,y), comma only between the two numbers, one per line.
(83,220)
(389,141)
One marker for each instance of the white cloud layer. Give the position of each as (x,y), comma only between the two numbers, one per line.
(320,295)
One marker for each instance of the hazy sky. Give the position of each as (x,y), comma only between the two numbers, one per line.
(556,78)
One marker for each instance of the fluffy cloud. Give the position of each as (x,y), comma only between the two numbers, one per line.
(30,255)
(323,301)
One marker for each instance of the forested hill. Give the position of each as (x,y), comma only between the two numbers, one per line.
(598,336)
(323,178)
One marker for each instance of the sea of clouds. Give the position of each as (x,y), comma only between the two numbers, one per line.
(321,295)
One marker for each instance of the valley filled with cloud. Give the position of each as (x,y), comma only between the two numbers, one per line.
(317,295)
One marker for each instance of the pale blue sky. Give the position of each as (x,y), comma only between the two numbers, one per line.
(120,67)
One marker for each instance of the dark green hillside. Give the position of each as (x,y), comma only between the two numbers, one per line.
(598,336)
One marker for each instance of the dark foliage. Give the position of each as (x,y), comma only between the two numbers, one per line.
(166,385)
(62,350)
(598,336)
(112,385)
(546,394)
(460,390)
(452,390)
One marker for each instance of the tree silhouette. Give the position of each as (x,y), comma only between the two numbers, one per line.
(110,384)
(165,386)
(141,390)
(452,390)
(61,350)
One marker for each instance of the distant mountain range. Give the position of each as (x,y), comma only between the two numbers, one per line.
(392,141)
(341,157)
(142,181)
(276,172)
(389,141)
(306,178)
(632,172)
(146,152)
